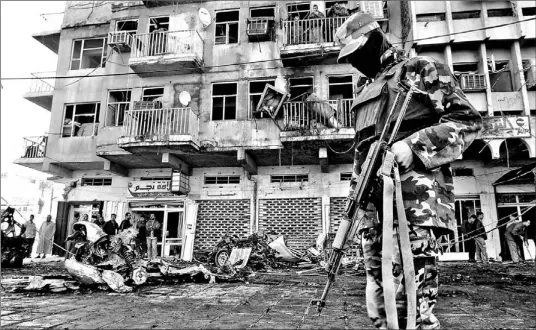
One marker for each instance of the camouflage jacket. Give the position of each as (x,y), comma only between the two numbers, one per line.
(438,126)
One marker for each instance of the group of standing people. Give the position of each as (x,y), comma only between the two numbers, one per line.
(148,230)
(317,31)
(29,232)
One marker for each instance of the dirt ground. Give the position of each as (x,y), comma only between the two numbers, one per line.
(494,296)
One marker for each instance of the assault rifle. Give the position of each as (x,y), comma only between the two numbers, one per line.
(359,198)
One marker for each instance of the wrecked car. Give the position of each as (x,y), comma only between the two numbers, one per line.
(14,246)
(98,258)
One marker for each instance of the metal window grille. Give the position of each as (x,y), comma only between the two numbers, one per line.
(289,178)
(227,179)
(473,82)
(96,181)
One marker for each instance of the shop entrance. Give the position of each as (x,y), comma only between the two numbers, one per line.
(171,218)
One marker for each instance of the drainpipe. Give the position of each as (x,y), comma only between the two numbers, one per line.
(254,200)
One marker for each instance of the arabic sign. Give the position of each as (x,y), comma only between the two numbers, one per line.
(505,127)
(150,188)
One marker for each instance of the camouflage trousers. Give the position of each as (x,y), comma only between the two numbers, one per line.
(424,250)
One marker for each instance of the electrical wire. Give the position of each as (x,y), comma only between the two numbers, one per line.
(250,62)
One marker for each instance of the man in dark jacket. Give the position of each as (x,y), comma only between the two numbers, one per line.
(125,224)
(438,126)
(480,238)
(110,227)
(467,230)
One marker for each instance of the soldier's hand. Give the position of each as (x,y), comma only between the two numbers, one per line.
(403,154)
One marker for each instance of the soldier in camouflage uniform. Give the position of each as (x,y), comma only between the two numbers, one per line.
(438,126)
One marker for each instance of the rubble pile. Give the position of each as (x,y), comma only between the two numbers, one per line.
(14,246)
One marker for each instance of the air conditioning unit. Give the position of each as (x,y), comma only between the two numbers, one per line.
(146,105)
(180,182)
(260,28)
(473,82)
(373,8)
(120,39)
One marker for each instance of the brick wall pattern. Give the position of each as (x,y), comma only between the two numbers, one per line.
(299,219)
(217,217)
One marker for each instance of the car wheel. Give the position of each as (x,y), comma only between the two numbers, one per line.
(221,257)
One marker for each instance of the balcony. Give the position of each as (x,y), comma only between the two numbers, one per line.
(33,152)
(310,40)
(41,90)
(317,120)
(166,53)
(171,128)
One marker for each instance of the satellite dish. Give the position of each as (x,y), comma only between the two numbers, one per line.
(185,98)
(204,16)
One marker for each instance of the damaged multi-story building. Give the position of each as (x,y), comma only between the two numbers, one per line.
(160,113)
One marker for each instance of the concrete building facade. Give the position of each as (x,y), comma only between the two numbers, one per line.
(166,122)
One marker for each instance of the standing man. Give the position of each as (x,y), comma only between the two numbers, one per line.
(125,224)
(315,27)
(110,227)
(468,228)
(46,237)
(152,232)
(100,221)
(29,235)
(517,230)
(480,238)
(142,234)
(438,126)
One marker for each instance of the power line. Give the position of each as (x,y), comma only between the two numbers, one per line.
(192,70)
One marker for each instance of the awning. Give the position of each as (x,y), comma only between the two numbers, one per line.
(521,175)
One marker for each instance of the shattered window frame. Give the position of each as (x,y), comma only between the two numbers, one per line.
(254,98)
(70,112)
(81,54)
(332,83)
(225,98)
(160,20)
(345,176)
(226,26)
(296,8)
(117,107)
(124,21)
(298,85)
(157,97)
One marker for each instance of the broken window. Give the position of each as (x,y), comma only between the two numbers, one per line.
(157,23)
(300,88)
(226,27)
(81,119)
(224,101)
(153,94)
(224,179)
(500,12)
(346,176)
(130,26)
(340,87)
(118,103)
(256,88)
(289,178)
(88,53)
(467,75)
(431,17)
(529,72)
(298,9)
(96,182)
(261,24)
(466,14)
(501,78)
(528,11)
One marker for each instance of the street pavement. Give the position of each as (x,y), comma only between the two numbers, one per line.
(471,296)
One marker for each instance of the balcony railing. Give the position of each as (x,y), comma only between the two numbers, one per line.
(473,82)
(187,42)
(34,147)
(318,114)
(159,122)
(42,85)
(311,31)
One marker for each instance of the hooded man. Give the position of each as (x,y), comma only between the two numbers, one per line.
(438,126)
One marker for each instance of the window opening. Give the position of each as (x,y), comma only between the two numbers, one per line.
(340,87)
(289,178)
(226,27)
(81,119)
(466,14)
(261,24)
(346,176)
(225,179)
(300,88)
(529,11)
(96,182)
(154,95)
(224,101)
(463,209)
(262,12)
(159,23)
(88,53)
(463,171)
(256,88)
(298,9)
(430,17)
(500,12)
(500,78)
(130,26)
(118,103)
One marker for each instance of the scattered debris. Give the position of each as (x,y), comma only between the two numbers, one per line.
(14,246)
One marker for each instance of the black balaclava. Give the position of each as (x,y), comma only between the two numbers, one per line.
(367,58)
